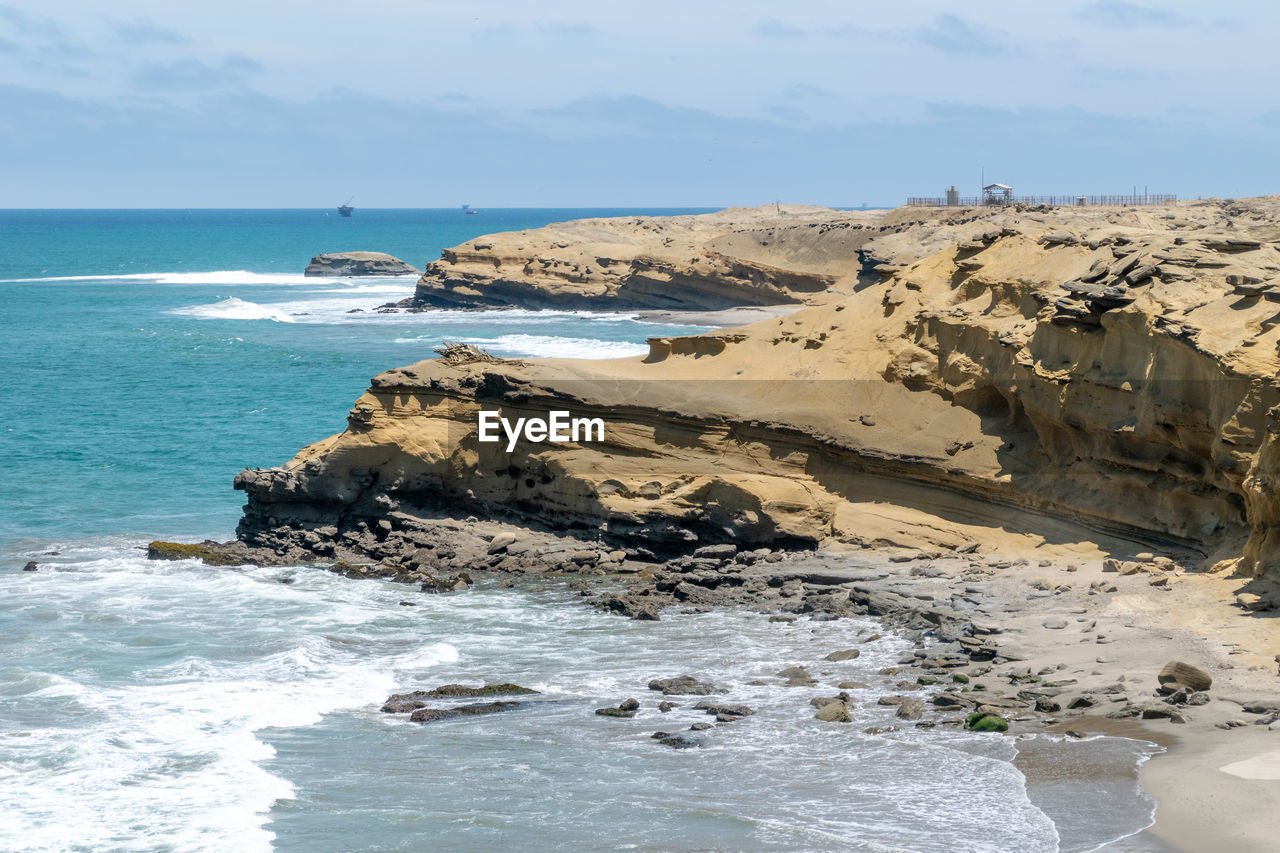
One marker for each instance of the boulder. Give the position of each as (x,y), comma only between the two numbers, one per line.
(684,685)
(431,715)
(1159,713)
(819,701)
(797,676)
(847,654)
(910,708)
(834,712)
(447,583)
(1261,706)
(1253,601)
(981,721)
(1177,674)
(357,264)
(402,706)
(631,606)
(399,703)
(626,709)
(500,542)
(724,713)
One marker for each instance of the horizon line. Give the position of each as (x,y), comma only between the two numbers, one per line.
(864,206)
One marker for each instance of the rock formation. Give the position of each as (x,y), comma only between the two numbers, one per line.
(742,256)
(357,264)
(1054,370)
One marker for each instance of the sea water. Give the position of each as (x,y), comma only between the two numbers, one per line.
(150,355)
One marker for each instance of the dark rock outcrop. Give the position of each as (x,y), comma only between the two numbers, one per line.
(684,685)
(431,715)
(358,264)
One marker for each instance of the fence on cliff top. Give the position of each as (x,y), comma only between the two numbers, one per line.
(1055,200)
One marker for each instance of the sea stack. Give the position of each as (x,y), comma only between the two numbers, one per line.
(358,263)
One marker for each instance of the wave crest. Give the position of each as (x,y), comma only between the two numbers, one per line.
(232,308)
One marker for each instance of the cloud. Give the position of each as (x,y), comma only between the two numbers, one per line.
(787,113)
(807,92)
(772,28)
(1119,13)
(633,115)
(31,25)
(145,32)
(956,35)
(235,147)
(39,36)
(192,74)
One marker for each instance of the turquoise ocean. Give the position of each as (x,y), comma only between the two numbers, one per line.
(149,356)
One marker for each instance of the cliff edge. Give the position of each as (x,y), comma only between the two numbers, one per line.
(774,255)
(958,373)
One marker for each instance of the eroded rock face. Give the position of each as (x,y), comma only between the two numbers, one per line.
(742,256)
(986,368)
(358,264)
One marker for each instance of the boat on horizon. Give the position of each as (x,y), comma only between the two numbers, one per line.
(347,209)
(469,210)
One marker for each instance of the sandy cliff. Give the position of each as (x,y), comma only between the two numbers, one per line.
(956,373)
(741,256)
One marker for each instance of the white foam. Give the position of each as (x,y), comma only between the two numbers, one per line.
(215,277)
(389,286)
(164,751)
(235,309)
(169,757)
(547,346)
(539,316)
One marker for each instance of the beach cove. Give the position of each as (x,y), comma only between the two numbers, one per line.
(242,679)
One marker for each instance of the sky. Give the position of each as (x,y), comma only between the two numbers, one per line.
(506,103)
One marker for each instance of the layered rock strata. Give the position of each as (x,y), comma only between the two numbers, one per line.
(1071,372)
(742,256)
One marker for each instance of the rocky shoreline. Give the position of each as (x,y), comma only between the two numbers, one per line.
(1038,443)
(1002,641)
(993,635)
